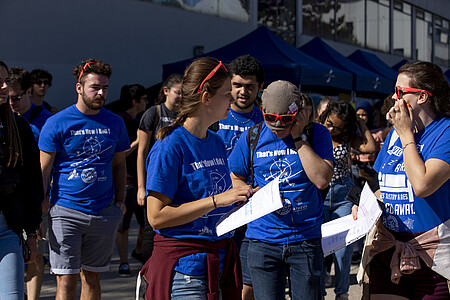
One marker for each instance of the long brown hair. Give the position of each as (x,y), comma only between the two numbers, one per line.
(430,77)
(14,147)
(194,74)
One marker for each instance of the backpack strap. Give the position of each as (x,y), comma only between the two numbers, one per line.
(35,113)
(252,140)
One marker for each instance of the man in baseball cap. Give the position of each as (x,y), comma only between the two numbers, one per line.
(291,236)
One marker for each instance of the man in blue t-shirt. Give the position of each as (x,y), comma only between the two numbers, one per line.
(20,101)
(291,236)
(246,82)
(85,146)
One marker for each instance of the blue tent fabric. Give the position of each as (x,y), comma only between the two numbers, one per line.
(363,81)
(399,64)
(280,60)
(373,63)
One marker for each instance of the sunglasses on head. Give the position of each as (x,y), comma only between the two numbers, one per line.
(211,74)
(285,119)
(88,64)
(400,91)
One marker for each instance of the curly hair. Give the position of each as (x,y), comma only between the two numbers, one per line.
(344,111)
(88,66)
(194,74)
(247,65)
(430,77)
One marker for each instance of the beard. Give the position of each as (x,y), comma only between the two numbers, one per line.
(244,105)
(91,102)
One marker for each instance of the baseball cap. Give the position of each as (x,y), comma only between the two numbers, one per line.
(277,99)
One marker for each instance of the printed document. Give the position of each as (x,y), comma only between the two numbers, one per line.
(263,202)
(342,232)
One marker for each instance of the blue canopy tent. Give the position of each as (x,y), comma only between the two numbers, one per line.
(280,60)
(399,64)
(372,63)
(364,81)
(447,75)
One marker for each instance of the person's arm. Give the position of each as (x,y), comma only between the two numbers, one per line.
(143,149)
(355,207)
(318,170)
(47,160)
(162,213)
(425,177)
(119,174)
(364,143)
(133,146)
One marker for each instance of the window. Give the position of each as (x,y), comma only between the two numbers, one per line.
(318,18)
(279,16)
(402,30)
(378,25)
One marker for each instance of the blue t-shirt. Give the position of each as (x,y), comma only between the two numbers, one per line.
(186,168)
(405,212)
(302,214)
(38,121)
(84,146)
(235,124)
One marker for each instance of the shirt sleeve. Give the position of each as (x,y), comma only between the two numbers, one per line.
(148,119)
(163,169)
(441,149)
(322,143)
(49,137)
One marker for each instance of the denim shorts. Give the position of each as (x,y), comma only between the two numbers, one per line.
(189,287)
(79,240)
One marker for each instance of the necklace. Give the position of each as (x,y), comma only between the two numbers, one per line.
(253,111)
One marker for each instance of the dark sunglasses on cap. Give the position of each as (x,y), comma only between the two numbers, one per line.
(211,74)
(400,91)
(285,119)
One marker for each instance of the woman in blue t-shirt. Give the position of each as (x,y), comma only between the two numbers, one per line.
(189,189)
(413,171)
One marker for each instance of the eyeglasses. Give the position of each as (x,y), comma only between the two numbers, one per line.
(400,91)
(88,64)
(15,98)
(285,119)
(210,75)
(328,124)
(40,82)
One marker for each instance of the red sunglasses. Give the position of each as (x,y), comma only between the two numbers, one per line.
(88,64)
(210,75)
(400,91)
(285,119)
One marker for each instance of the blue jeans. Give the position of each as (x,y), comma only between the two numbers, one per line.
(268,264)
(11,263)
(336,206)
(189,287)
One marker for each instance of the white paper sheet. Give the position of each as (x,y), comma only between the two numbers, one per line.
(263,202)
(341,232)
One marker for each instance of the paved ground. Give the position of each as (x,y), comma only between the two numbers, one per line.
(115,287)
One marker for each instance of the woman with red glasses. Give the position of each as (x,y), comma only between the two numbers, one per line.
(188,189)
(409,258)
(341,120)
(288,239)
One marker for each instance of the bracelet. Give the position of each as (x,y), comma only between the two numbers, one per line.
(408,144)
(214,202)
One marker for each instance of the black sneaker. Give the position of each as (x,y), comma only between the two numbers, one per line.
(124,270)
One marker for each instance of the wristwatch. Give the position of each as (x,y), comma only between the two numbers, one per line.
(302,137)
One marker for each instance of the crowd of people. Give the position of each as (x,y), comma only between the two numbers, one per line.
(72,180)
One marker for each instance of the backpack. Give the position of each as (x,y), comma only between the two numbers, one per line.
(252,140)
